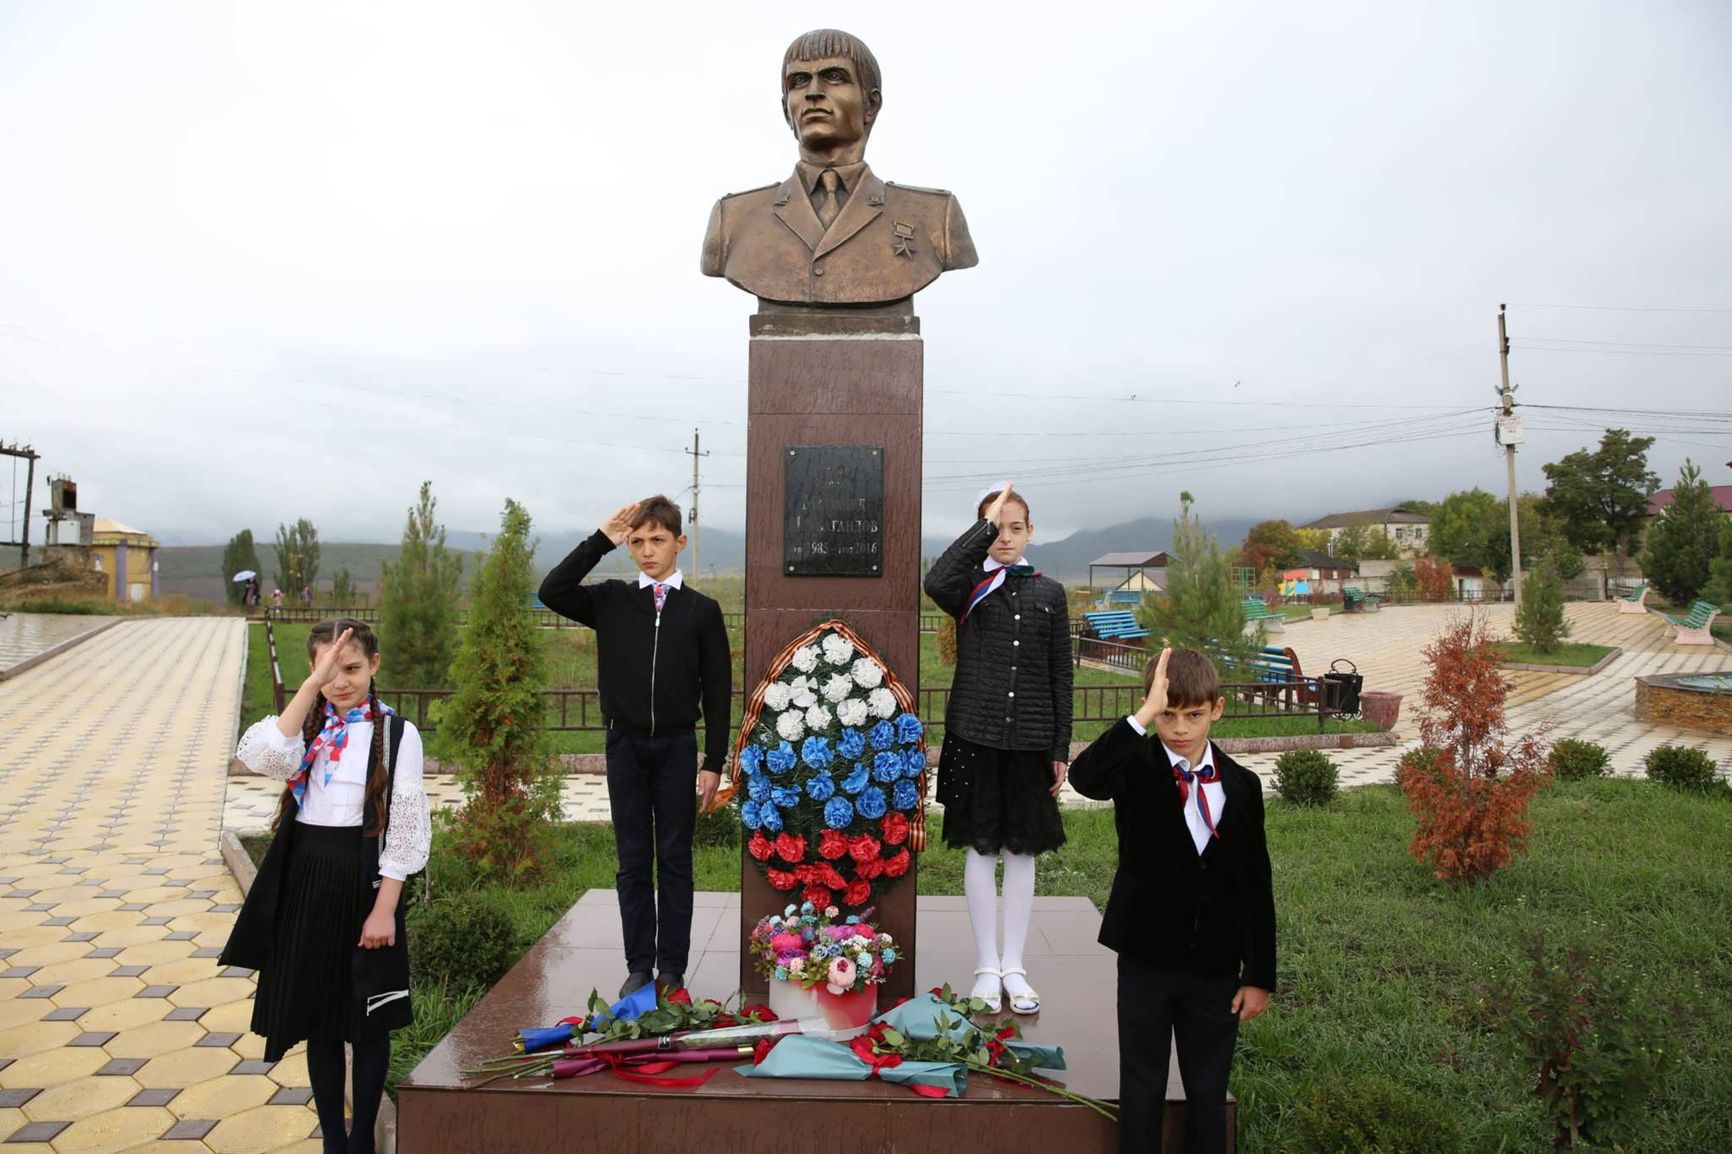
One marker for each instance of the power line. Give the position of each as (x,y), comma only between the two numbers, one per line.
(1626,308)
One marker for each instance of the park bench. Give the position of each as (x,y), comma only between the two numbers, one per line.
(1115,625)
(1695,627)
(1275,667)
(1635,600)
(1357,600)
(1257,612)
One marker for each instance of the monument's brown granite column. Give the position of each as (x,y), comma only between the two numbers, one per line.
(833,378)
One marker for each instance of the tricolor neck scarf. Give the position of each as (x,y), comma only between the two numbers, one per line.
(334,737)
(993,579)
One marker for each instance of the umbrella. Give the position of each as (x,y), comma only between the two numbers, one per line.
(244,575)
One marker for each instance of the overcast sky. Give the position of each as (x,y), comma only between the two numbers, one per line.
(267,261)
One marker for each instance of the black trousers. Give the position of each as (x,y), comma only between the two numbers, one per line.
(652,793)
(1157,1009)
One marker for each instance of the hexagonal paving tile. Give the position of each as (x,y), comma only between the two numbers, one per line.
(37,935)
(156,953)
(114,919)
(259,1129)
(187,1067)
(35,1037)
(154,1038)
(77,970)
(182,972)
(113,1130)
(292,1070)
(215,992)
(98,992)
(47,955)
(126,1014)
(52,1068)
(222,1097)
(135,935)
(73,1100)
(86,907)
(16,1012)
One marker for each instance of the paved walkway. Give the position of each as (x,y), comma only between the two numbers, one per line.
(26,637)
(117,1029)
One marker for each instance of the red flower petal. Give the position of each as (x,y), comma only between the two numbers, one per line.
(832,844)
(895,828)
(857,894)
(819,896)
(865,847)
(760,846)
(781,879)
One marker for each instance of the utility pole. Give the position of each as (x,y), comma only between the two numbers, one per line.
(1509,435)
(693,519)
(30,456)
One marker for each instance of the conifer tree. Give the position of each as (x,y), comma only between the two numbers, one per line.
(1540,621)
(238,555)
(1200,609)
(1684,539)
(420,601)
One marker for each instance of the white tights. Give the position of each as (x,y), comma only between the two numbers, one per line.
(979,884)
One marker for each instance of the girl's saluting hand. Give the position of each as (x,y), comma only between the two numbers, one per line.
(996,510)
(330,659)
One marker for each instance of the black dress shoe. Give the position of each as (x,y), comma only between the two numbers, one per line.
(671,982)
(634,981)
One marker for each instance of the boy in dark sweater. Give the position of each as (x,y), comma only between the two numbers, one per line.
(1192,910)
(663,660)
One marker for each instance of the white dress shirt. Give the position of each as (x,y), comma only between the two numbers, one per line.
(266,750)
(1193,806)
(674,580)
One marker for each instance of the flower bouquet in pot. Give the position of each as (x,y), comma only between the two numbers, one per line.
(821,965)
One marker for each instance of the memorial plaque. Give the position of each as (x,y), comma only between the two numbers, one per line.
(833,511)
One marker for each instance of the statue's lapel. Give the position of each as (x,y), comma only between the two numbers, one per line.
(794,209)
(865,204)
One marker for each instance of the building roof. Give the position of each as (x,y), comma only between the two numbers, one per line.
(1132,560)
(1317,559)
(1722,497)
(115,529)
(1391,516)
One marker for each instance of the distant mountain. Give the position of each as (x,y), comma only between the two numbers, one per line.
(1067,559)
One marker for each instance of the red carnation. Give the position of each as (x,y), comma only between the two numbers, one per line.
(790,847)
(895,828)
(857,894)
(760,846)
(819,896)
(864,848)
(832,844)
(870,869)
(809,873)
(896,866)
(781,879)
(832,877)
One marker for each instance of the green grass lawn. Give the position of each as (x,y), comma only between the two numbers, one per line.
(1569,653)
(1380,965)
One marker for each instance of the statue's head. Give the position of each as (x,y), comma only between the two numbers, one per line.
(830,94)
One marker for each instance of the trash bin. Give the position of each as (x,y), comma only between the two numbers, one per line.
(1380,708)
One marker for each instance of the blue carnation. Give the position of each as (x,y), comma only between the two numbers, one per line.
(816,752)
(838,813)
(887,767)
(750,816)
(913,761)
(771,817)
(889,954)
(781,973)
(785,798)
(905,794)
(821,787)
(908,728)
(826,950)
(856,781)
(853,743)
(805,907)
(751,760)
(758,788)
(883,735)
(870,803)
(782,758)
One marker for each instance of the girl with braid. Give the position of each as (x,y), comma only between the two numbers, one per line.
(323,924)
(1006,731)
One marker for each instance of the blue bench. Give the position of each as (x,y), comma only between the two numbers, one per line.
(1115,625)
(1276,667)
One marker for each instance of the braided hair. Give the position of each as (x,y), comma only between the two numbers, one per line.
(325,633)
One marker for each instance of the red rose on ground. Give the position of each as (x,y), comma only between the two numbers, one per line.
(832,844)
(758,1012)
(864,848)
(895,867)
(781,879)
(831,878)
(857,893)
(760,846)
(895,829)
(681,996)
(870,869)
(790,847)
(762,1050)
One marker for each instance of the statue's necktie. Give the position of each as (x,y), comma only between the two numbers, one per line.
(828,206)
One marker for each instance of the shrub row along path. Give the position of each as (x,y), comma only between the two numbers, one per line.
(118,1032)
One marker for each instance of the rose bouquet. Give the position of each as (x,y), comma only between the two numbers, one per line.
(812,947)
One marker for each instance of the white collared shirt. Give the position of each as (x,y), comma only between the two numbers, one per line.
(1193,806)
(675,580)
(993,564)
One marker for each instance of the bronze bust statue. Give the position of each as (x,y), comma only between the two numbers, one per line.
(833,233)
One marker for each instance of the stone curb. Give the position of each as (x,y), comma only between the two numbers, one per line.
(56,650)
(1577,670)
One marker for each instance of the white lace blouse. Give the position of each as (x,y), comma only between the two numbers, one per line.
(265,750)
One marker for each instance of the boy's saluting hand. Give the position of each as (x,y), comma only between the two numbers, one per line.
(618,526)
(1156,701)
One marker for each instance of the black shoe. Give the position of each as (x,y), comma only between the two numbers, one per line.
(634,981)
(668,983)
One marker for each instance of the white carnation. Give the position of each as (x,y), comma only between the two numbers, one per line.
(805,697)
(791,726)
(851,711)
(806,658)
(777,696)
(838,650)
(882,703)
(867,674)
(818,717)
(797,966)
(838,687)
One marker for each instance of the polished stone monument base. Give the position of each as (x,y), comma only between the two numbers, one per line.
(439,1114)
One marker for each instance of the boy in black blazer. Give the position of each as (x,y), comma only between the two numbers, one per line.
(1192,910)
(662,661)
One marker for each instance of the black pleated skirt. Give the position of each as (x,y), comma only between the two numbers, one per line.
(997,800)
(306,989)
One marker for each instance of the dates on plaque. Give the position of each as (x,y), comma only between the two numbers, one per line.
(833,511)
